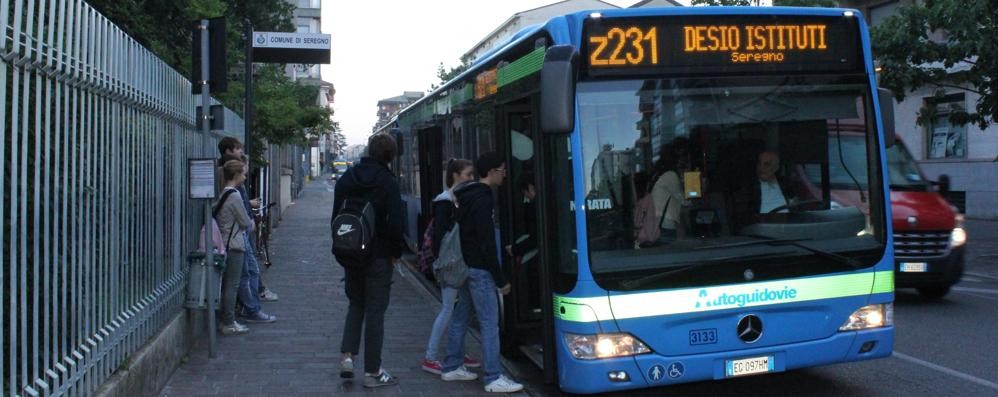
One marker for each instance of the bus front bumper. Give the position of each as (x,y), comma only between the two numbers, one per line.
(654,370)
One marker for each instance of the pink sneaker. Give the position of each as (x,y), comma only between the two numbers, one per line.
(470,362)
(431,366)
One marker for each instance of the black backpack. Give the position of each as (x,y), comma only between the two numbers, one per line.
(353,230)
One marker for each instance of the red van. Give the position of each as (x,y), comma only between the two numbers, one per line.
(929,236)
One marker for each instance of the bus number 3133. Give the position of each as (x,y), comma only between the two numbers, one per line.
(631,46)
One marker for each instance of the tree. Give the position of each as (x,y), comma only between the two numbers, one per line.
(446,75)
(286,111)
(944,45)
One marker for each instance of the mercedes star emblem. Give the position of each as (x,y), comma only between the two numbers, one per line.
(749,328)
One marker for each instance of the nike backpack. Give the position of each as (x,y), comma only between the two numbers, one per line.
(353,232)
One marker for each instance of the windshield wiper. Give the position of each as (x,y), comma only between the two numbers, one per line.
(764,241)
(848,261)
(633,284)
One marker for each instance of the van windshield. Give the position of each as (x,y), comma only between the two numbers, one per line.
(903,171)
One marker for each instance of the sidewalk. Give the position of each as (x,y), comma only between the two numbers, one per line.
(299,354)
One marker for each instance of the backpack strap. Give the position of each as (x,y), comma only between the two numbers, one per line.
(664,211)
(221,202)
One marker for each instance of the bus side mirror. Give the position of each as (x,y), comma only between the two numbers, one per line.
(886,98)
(558,89)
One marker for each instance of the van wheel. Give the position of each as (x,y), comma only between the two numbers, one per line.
(936,292)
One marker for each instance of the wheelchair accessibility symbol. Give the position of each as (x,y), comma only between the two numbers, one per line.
(676,370)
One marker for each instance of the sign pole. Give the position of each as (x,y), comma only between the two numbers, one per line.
(206,146)
(248,107)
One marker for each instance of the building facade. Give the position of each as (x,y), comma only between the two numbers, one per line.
(308,19)
(965,153)
(526,18)
(389,107)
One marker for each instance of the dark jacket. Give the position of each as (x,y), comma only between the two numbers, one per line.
(476,206)
(748,199)
(443,219)
(376,182)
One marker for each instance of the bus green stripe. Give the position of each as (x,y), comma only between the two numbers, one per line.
(522,67)
(883,282)
(697,300)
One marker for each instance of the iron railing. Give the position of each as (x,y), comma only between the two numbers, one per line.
(95,221)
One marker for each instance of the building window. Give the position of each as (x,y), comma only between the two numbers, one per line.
(880,12)
(945,139)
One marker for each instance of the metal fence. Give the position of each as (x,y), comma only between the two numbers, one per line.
(283,177)
(95,221)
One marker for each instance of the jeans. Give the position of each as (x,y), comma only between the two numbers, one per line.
(368,290)
(249,282)
(480,291)
(230,285)
(448,296)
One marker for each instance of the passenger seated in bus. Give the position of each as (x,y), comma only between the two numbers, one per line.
(667,192)
(764,193)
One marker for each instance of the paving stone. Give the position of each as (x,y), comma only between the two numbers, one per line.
(299,354)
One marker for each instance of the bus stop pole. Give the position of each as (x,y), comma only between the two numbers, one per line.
(206,146)
(248,81)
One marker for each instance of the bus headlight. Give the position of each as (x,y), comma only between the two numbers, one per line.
(959,235)
(592,347)
(871,316)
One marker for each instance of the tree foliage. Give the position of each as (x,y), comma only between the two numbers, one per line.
(285,111)
(448,74)
(945,45)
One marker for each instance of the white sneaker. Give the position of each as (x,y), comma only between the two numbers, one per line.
(234,329)
(503,385)
(346,368)
(268,296)
(242,327)
(461,373)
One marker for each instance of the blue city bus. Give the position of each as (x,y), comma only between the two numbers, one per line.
(668,197)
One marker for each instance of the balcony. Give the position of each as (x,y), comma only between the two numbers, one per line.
(315,4)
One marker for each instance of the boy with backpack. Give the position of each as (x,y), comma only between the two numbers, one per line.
(458,172)
(367,241)
(476,207)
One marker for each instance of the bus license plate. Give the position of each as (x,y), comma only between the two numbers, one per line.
(749,366)
(914,267)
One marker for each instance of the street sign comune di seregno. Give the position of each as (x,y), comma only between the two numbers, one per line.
(280,47)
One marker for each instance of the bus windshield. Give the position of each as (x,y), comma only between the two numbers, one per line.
(731,178)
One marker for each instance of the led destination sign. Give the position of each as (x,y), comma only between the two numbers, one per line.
(693,45)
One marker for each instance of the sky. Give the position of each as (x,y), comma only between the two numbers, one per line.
(381,48)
